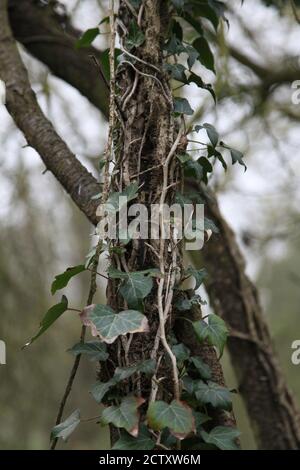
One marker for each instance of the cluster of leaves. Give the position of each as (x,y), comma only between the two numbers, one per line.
(178,419)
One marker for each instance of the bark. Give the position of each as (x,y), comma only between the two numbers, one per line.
(270,404)
(277,417)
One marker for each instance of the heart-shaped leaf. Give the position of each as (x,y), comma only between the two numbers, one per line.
(143,441)
(126,415)
(222,437)
(108,325)
(135,287)
(177,416)
(213,330)
(95,350)
(65,429)
(213,394)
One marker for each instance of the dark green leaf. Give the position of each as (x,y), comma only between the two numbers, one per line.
(65,429)
(177,416)
(135,36)
(136,285)
(87,38)
(213,394)
(214,331)
(125,415)
(202,368)
(192,55)
(205,55)
(61,280)
(223,437)
(181,352)
(198,274)
(210,225)
(95,350)
(237,156)
(51,316)
(176,71)
(182,106)
(193,78)
(143,441)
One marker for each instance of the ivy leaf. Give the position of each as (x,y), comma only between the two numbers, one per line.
(208,12)
(198,275)
(181,352)
(87,38)
(201,418)
(125,415)
(177,416)
(186,304)
(174,45)
(136,285)
(205,55)
(213,394)
(183,157)
(211,131)
(237,156)
(182,106)
(193,55)
(143,441)
(65,429)
(99,389)
(51,316)
(135,36)
(222,436)
(193,169)
(61,280)
(95,350)
(210,225)
(108,324)
(202,368)
(214,331)
(176,71)
(113,203)
(193,78)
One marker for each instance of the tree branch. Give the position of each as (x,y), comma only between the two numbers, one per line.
(21,103)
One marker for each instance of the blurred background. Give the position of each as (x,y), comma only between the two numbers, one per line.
(42,232)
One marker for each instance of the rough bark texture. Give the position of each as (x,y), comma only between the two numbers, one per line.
(266,384)
(270,404)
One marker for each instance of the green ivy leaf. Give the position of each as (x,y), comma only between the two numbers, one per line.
(61,280)
(200,419)
(193,78)
(183,157)
(193,55)
(125,415)
(213,394)
(99,389)
(202,368)
(176,71)
(198,275)
(205,55)
(65,429)
(222,436)
(87,38)
(211,131)
(214,331)
(95,350)
(174,45)
(136,285)
(177,416)
(237,156)
(143,441)
(181,352)
(182,106)
(135,36)
(51,316)
(108,324)
(186,304)
(193,169)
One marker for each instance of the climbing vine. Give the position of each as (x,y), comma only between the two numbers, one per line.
(156,392)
